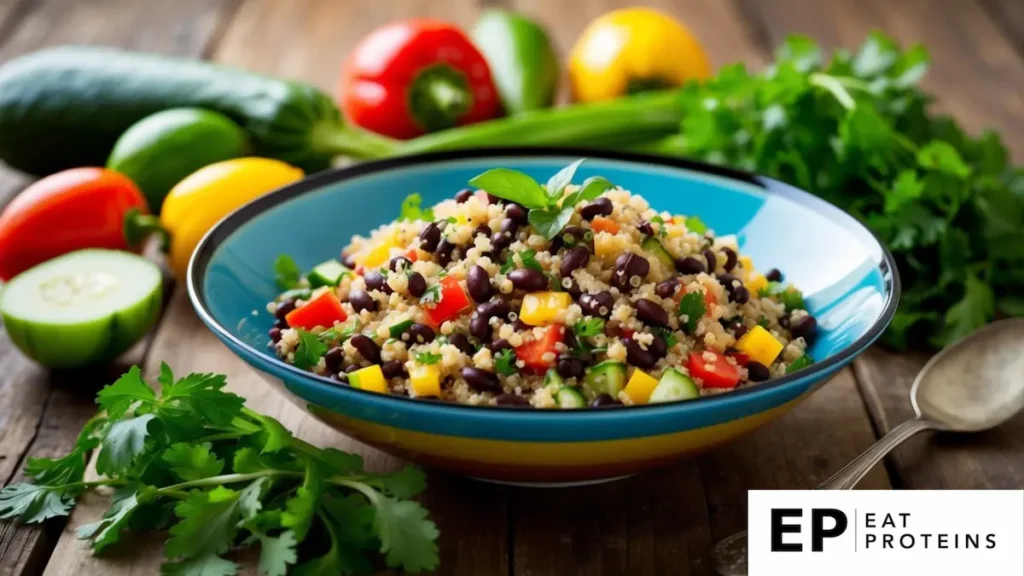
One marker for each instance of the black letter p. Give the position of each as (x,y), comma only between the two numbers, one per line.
(818,532)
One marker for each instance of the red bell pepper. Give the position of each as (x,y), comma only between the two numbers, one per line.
(717,373)
(451,301)
(324,310)
(67,211)
(416,76)
(532,353)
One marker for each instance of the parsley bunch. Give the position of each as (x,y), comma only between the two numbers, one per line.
(222,477)
(856,131)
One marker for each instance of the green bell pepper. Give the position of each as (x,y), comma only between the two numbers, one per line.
(521,57)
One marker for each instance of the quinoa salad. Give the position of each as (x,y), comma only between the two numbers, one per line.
(544,295)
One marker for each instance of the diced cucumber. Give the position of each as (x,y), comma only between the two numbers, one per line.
(652,245)
(673,386)
(800,363)
(327,273)
(295,294)
(568,397)
(396,330)
(608,377)
(82,308)
(553,381)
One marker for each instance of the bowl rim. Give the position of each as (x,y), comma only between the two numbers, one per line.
(204,251)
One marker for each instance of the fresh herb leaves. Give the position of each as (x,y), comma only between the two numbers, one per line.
(309,350)
(588,327)
(691,310)
(667,335)
(411,209)
(286,272)
(527,257)
(801,362)
(695,225)
(512,185)
(427,358)
(232,477)
(505,363)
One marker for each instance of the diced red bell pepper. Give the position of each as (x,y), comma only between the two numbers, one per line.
(452,301)
(709,301)
(717,373)
(740,358)
(413,254)
(532,353)
(324,310)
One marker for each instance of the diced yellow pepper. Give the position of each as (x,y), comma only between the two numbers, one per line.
(377,254)
(640,386)
(370,378)
(425,380)
(542,308)
(748,265)
(759,345)
(755,282)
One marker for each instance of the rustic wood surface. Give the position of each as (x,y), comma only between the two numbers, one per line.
(662,522)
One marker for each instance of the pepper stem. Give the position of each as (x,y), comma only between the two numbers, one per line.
(438,97)
(139,226)
(344,140)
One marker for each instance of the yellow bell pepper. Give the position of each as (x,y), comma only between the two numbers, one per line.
(542,308)
(631,50)
(203,198)
(755,282)
(378,253)
(759,345)
(747,263)
(370,378)
(640,387)
(425,380)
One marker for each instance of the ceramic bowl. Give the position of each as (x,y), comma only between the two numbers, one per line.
(848,277)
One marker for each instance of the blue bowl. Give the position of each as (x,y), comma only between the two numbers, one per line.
(848,277)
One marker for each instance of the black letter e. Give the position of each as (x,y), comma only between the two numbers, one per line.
(778,529)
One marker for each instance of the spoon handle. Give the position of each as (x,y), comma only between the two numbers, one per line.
(853,472)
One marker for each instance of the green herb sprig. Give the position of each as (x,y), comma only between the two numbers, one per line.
(548,212)
(287,273)
(411,209)
(195,460)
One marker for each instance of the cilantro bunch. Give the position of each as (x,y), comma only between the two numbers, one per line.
(856,131)
(222,477)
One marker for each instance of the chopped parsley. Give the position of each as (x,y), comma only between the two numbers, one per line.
(411,209)
(286,272)
(432,295)
(692,307)
(427,358)
(347,332)
(667,335)
(505,363)
(801,362)
(763,322)
(662,232)
(696,225)
(309,351)
(527,257)
(589,326)
(789,296)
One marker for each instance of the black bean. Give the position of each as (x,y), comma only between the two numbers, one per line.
(444,252)
(757,372)
(637,356)
(603,401)
(499,345)
(658,347)
(374,280)
(738,330)
(275,334)
(730,259)
(689,265)
(599,207)
(351,369)
(499,242)
(481,380)
(463,195)
(479,284)
(492,199)
(650,312)
(430,236)
(334,358)
(367,347)
(528,279)
(360,301)
(569,236)
(806,328)
(421,334)
(480,327)
(417,285)
(516,212)
(509,227)
(570,367)
(645,228)
(521,326)
(349,260)
(280,324)
(599,304)
(574,259)
(784,320)
(667,288)
(393,369)
(495,308)
(573,289)
(741,295)
(339,378)
(482,229)
(461,342)
(399,263)
(630,271)
(709,256)
(283,308)
(774,275)
(729,282)
(512,400)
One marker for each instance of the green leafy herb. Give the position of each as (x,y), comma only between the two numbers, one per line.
(513,186)
(432,295)
(667,335)
(333,334)
(232,478)
(286,272)
(411,209)
(588,327)
(505,362)
(309,350)
(763,322)
(548,223)
(801,362)
(428,358)
(789,296)
(527,257)
(696,225)
(691,310)
(397,330)
(662,232)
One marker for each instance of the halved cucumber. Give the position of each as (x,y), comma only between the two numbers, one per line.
(568,397)
(652,245)
(82,308)
(673,386)
(327,273)
(608,377)
(553,381)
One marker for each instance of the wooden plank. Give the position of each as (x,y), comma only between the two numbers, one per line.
(41,412)
(1008,15)
(974,73)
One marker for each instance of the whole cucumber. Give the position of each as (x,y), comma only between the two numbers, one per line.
(66,106)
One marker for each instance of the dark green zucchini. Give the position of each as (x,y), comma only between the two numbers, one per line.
(67,106)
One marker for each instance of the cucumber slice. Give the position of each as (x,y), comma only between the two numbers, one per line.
(608,377)
(652,245)
(800,363)
(327,274)
(567,397)
(295,294)
(673,386)
(82,308)
(553,381)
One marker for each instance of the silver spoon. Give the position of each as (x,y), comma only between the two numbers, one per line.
(970,386)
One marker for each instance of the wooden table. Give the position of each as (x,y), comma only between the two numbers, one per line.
(663,522)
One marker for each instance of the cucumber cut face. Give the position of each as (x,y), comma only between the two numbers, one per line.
(83,308)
